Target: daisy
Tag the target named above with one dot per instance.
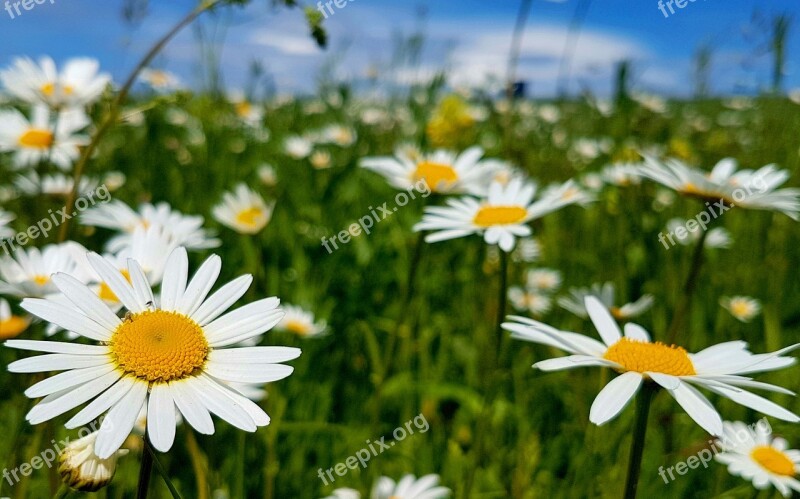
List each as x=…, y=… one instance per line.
x=500, y=218
x=575, y=303
x=716, y=238
x=543, y=279
x=742, y=308
x=621, y=175
x=720, y=369
x=301, y=322
x=11, y=325
x=529, y=300
x=78, y=84
x=298, y=147
x=82, y=469
x=756, y=190
x=320, y=160
x=28, y=273
x=250, y=113
x=33, y=184
x=268, y=175
x=135, y=364
x=243, y=211
x=160, y=80
x=529, y=250
x=186, y=231
x=445, y=172
x=409, y=487
x=35, y=141
x=5, y=219
x=340, y=135
x=755, y=456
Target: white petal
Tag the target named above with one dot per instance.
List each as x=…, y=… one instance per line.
x=200, y=286
x=254, y=355
x=175, y=274
x=119, y=421
x=161, y=417
x=57, y=362
x=57, y=347
x=636, y=332
x=87, y=301
x=614, y=397
x=757, y=403
x=192, y=408
x=66, y=318
x=248, y=373
x=244, y=323
x=605, y=324
x=571, y=362
x=66, y=380
x=48, y=409
x=667, y=381
x=117, y=283
x=141, y=288
x=222, y=300
x=102, y=403
x=698, y=408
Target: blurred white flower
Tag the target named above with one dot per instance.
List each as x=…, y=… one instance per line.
x=35, y=141
x=243, y=210
x=78, y=84
x=743, y=308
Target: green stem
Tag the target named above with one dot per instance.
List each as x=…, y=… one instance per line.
x=145, y=470
x=113, y=112
x=684, y=307
x=161, y=470
x=62, y=492
x=643, y=400
x=238, y=483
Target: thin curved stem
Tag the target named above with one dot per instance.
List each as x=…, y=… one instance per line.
x=145, y=470
x=114, y=110
x=643, y=400
x=684, y=308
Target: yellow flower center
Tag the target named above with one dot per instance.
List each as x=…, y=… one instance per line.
x=436, y=175
x=105, y=292
x=41, y=280
x=740, y=309
x=249, y=216
x=49, y=89
x=36, y=138
x=489, y=216
x=773, y=460
x=159, y=346
x=243, y=109
x=641, y=357
x=12, y=327
x=298, y=327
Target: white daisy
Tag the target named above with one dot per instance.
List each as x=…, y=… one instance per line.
x=5, y=219
x=11, y=325
x=752, y=189
x=268, y=175
x=301, y=322
x=340, y=135
x=298, y=147
x=35, y=141
x=136, y=364
x=250, y=113
x=32, y=184
x=621, y=174
x=28, y=273
x=528, y=250
x=754, y=455
x=445, y=172
x=543, y=279
x=186, y=230
x=160, y=80
x=529, y=300
x=243, y=210
x=82, y=469
x=575, y=303
x=78, y=84
x=409, y=487
x=721, y=369
x=500, y=218
x=743, y=308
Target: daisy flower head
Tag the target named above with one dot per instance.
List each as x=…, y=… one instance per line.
x=529, y=300
x=35, y=140
x=33, y=184
x=755, y=455
x=301, y=322
x=186, y=231
x=501, y=217
x=268, y=175
x=247, y=111
x=751, y=189
x=28, y=272
x=548, y=280
x=5, y=219
x=722, y=369
x=444, y=171
x=529, y=250
x=298, y=147
x=409, y=487
x=743, y=308
x=135, y=364
x=243, y=210
x=340, y=135
x=11, y=325
x=78, y=84
x=81, y=469
x=621, y=175
x=576, y=302
x=160, y=80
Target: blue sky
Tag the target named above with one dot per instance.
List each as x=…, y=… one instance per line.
x=469, y=38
